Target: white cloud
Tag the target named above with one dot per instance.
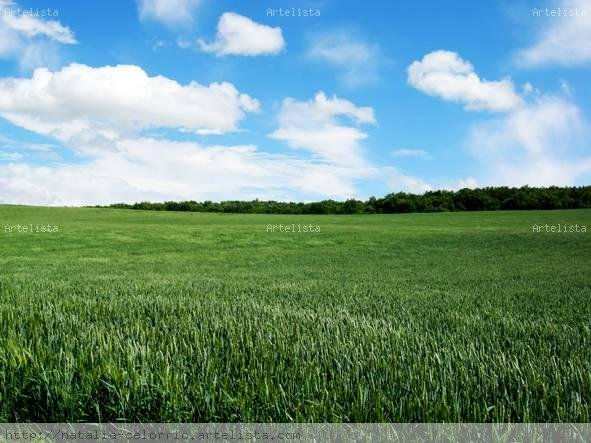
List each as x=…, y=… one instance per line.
x=10, y=41
x=31, y=40
x=42, y=53
x=542, y=143
x=539, y=141
x=400, y=182
x=158, y=44
x=566, y=87
x=87, y=106
x=172, y=13
x=313, y=126
x=564, y=40
x=7, y=142
x=528, y=88
x=418, y=153
x=239, y=35
x=444, y=74
x=103, y=112
x=30, y=26
x=357, y=59
x=469, y=182
x=10, y=156
x=183, y=43
x=158, y=170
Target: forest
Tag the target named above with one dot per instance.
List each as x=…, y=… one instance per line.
x=479, y=199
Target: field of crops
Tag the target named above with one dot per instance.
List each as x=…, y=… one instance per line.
x=161, y=316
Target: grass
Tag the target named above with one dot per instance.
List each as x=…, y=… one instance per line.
x=152, y=316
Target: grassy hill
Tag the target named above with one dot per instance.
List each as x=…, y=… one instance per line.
x=164, y=316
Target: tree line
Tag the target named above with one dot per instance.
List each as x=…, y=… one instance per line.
x=479, y=199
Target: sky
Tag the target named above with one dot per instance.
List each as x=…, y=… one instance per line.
x=123, y=101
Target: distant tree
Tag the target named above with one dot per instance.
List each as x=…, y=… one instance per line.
x=480, y=199
x=353, y=206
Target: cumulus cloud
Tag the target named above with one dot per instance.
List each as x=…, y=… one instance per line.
x=564, y=40
x=540, y=140
x=445, y=74
x=158, y=170
x=399, y=182
x=358, y=60
x=172, y=13
x=83, y=105
x=104, y=113
x=31, y=40
x=542, y=143
x=30, y=26
x=239, y=35
x=313, y=125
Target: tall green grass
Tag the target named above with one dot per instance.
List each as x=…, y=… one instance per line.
x=146, y=316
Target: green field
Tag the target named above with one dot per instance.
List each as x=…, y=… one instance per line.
x=162, y=316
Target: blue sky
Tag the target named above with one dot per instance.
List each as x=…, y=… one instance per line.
x=112, y=101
